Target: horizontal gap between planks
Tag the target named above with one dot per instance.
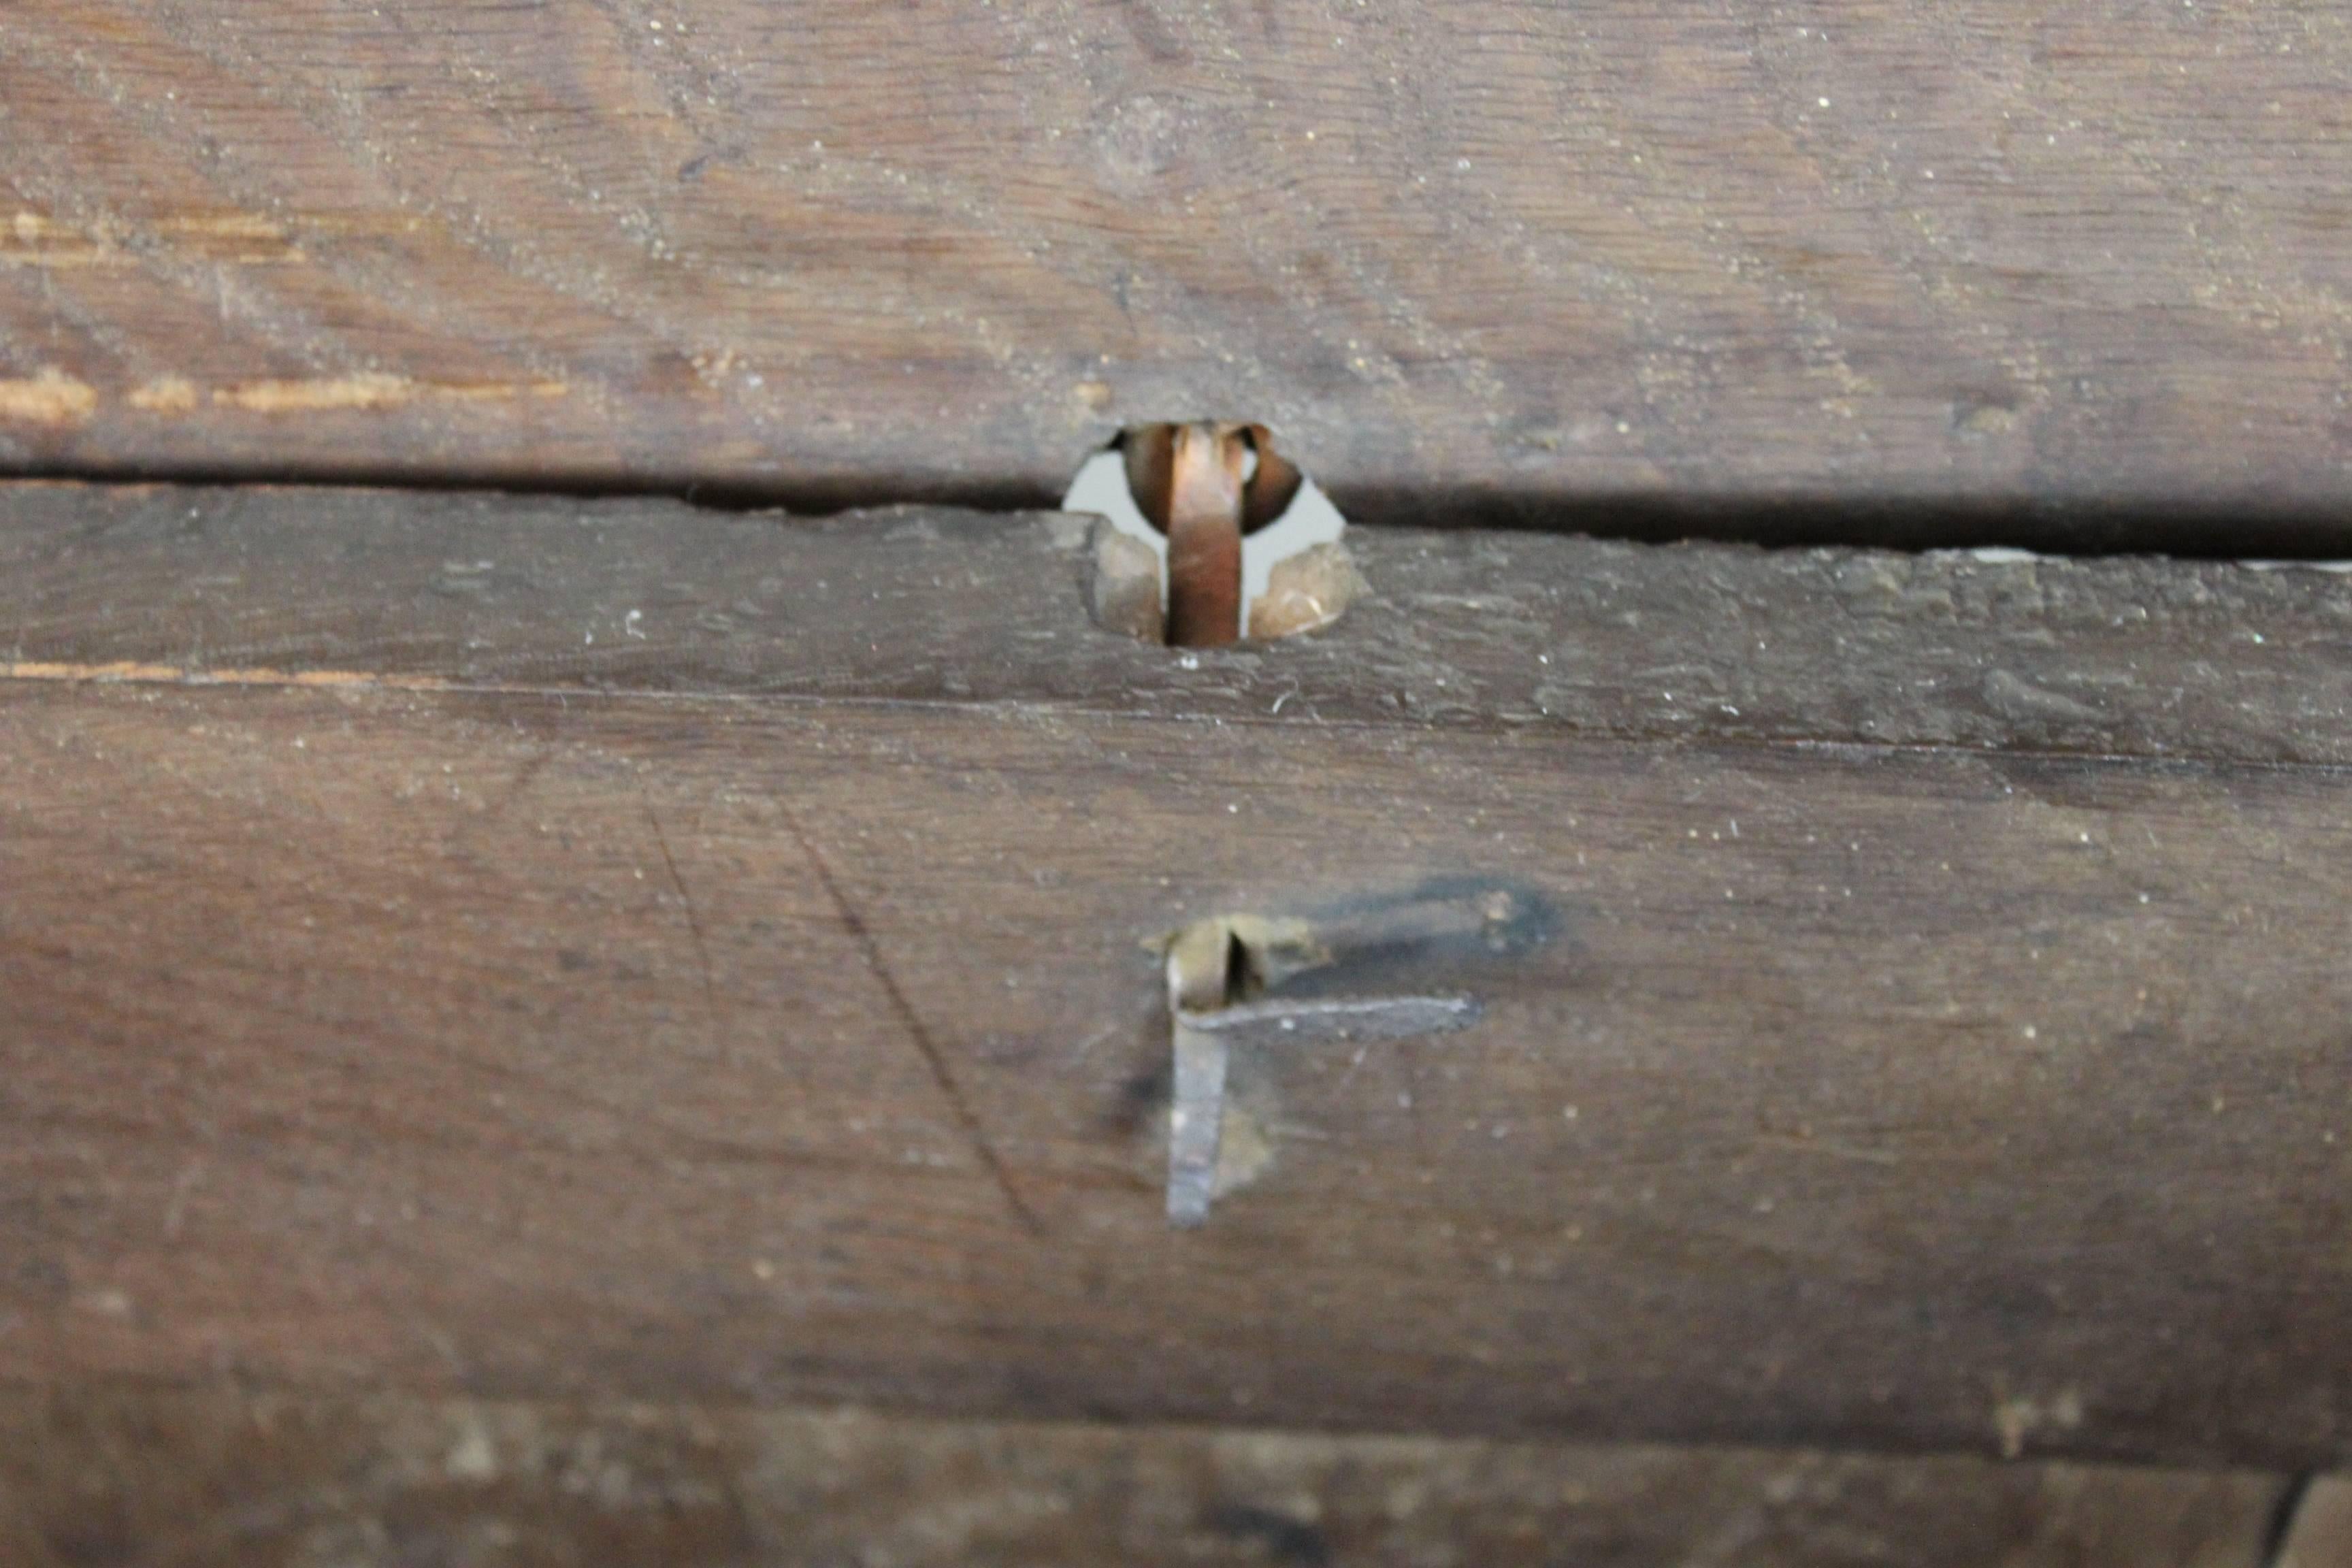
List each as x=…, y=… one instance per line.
x=2250, y=529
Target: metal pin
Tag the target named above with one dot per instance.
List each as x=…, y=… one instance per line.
x=1208, y=971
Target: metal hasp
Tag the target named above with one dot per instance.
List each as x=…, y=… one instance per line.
x=1212, y=969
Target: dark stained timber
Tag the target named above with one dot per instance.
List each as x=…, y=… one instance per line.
x=1937, y=1040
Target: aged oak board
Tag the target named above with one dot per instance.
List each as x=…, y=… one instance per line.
x=541, y=949
x=2022, y=267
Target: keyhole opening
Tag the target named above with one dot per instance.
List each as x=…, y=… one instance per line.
x=1211, y=537
x=1244, y=972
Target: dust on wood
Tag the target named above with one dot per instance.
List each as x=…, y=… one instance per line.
x=2033, y=261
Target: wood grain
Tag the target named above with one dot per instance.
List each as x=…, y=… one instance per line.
x=221, y=1478
x=2120, y=656
x=1915, y=267
x=555, y=1032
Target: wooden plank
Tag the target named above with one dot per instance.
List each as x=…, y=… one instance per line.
x=225, y=1479
x=797, y=1037
x=2030, y=262
x=1998, y=651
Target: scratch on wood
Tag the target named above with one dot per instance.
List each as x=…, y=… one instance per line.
x=916, y=1031
x=175, y=1209
x=134, y=669
x=693, y=920
x=368, y=391
x=520, y=785
x=247, y=240
x=1810, y=1145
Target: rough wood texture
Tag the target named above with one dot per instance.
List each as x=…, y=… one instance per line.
x=220, y=1480
x=2128, y=656
x=795, y=1035
x=2002, y=254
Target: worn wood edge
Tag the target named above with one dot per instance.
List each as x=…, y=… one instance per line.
x=2246, y=662
x=215, y=1474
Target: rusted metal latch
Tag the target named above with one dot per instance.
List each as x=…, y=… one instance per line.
x=1211, y=537
x=1215, y=968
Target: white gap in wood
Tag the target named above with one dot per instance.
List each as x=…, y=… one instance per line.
x=1310, y=519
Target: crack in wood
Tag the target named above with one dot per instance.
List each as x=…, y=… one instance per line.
x=925, y=1046
x=693, y=919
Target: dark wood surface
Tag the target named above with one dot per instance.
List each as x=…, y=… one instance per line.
x=2036, y=270
x=2129, y=656
x=775, y=1020
x=221, y=1478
